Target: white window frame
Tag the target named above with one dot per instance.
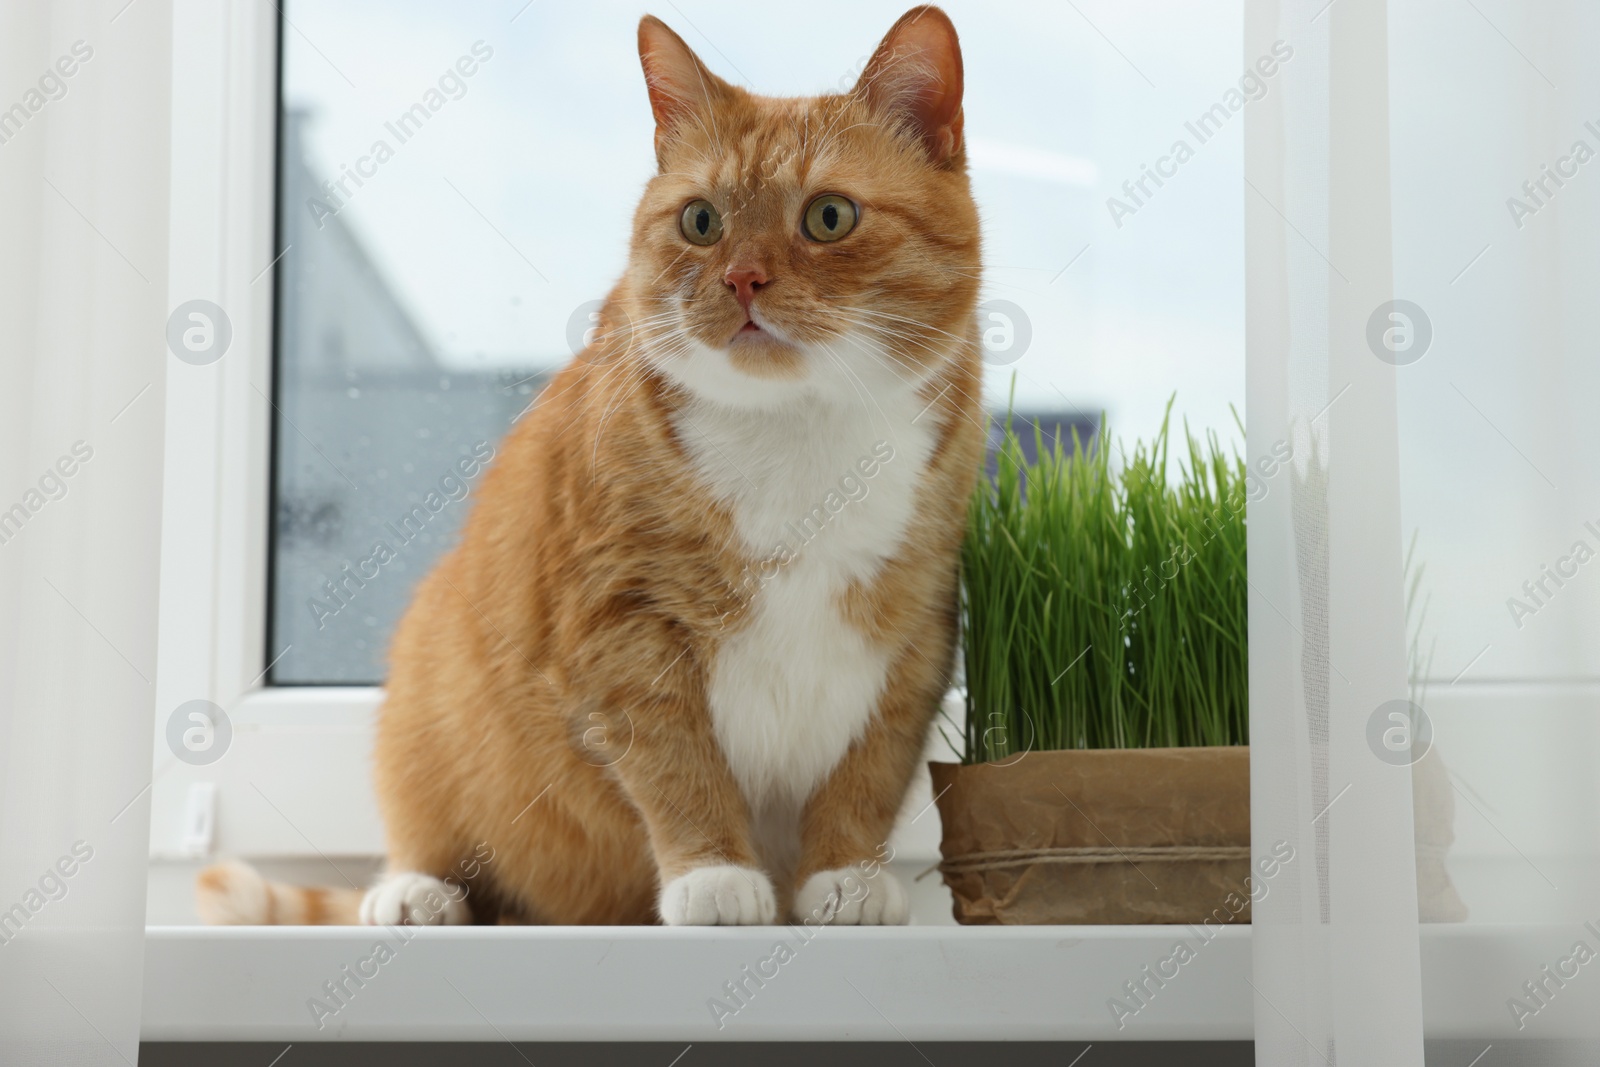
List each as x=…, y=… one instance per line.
x=294, y=780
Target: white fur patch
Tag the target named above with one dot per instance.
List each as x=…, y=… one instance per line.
x=851, y=897
x=721, y=895
x=795, y=683
x=414, y=899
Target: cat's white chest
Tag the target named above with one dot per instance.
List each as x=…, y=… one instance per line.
x=824, y=492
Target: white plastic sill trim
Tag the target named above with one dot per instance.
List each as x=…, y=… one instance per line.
x=914, y=983
x=928, y=983
x=575, y=984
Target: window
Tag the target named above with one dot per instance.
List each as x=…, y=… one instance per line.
x=378, y=340
x=392, y=316
x=456, y=187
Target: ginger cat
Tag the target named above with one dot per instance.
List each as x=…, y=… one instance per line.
x=682, y=664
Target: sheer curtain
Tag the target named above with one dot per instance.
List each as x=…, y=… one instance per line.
x=83, y=272
x=1422, y=260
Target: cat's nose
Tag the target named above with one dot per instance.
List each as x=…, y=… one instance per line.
x=744, y=281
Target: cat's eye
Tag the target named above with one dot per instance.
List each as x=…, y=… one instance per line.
x=829, y=218
x=700, y=223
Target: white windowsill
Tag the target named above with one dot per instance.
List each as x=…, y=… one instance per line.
x=932, y=981
x=294, y=786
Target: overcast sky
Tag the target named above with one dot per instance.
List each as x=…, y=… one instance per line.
x=551, y=143
x=1064, y=103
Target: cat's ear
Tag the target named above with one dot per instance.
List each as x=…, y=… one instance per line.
x=680, y=85
x=915, y=76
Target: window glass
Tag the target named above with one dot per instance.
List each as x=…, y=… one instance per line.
x=457, y=183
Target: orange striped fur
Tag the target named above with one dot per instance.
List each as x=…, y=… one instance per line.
x=683, y=662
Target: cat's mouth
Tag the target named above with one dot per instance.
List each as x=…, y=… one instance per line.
x=762, y=350
x=754, y=331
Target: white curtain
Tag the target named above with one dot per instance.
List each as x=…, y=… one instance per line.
x=83, y=278
x=1421, y=334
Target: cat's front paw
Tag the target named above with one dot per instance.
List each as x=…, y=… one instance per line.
x=413, y=899
x=723, y=895
x=850, y=897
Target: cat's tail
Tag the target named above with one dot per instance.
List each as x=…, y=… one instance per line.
x=235, y=894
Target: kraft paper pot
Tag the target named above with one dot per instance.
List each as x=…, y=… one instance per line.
x=1157, y=835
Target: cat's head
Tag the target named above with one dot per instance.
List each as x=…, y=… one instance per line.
x=806, y=245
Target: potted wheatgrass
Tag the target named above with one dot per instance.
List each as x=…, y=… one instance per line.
x=1104, y=775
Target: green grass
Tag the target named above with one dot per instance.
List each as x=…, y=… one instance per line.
x=1101, y=608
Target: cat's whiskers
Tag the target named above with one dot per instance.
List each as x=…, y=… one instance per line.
x=616, y=376
x=577, y=382
x=939, y=352
x=672, y=343
x=891, y=332
x=891, y=360
x=906, y=319
x=874, y=323
x=969, y=401
x=713, y=135
x=669, y=266
x=636, y=371
x=863, y=392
